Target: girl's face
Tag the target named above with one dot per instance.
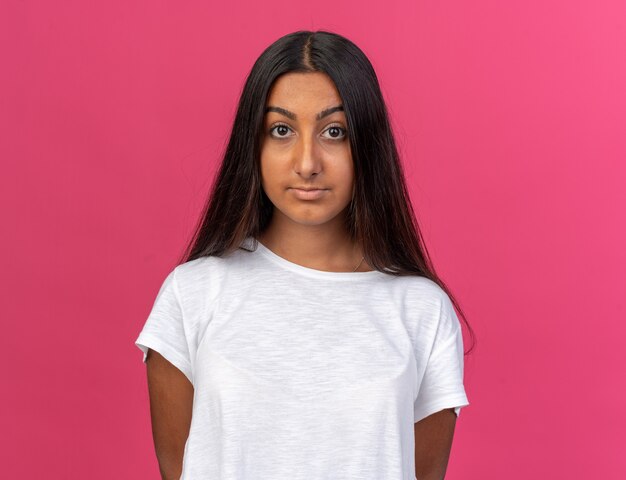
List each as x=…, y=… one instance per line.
x=305, y=145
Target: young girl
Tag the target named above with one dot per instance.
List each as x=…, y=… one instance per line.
x=305, y=333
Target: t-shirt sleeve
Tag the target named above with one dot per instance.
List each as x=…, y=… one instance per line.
x=442, y=384
x=164, y=330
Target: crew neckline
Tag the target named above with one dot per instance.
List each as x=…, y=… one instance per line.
x=312, y=272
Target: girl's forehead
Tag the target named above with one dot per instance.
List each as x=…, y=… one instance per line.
x=304, y=87
x=294, y=115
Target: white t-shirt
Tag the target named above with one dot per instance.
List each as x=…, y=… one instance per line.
x=300, y=373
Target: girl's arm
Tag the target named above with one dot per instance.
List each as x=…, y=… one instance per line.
x=171, y=402
x=433, y=442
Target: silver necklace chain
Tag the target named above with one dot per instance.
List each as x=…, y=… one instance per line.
x=357, y=267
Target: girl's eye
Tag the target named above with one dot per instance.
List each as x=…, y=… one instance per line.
x=336, y=132
x=281, y=128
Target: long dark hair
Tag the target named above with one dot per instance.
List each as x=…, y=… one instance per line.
x=380, y=215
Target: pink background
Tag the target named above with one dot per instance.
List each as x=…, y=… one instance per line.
x=510, y=117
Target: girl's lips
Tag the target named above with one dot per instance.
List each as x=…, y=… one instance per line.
x=308, y=194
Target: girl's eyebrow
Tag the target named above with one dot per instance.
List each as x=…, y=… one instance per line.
x=293, y=116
